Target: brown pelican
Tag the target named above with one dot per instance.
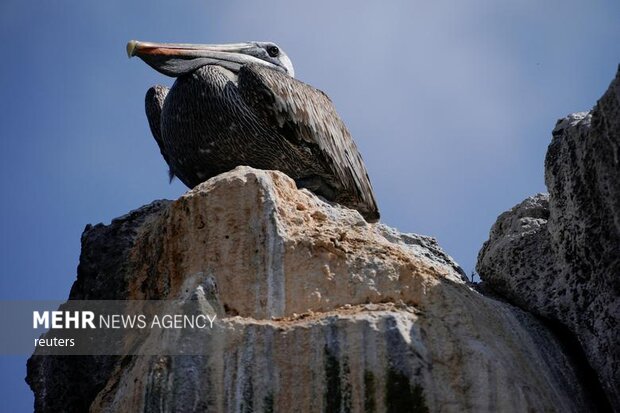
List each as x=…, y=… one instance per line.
x=238, y=104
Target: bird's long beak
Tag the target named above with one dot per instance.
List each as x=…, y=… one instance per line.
x=176, y=59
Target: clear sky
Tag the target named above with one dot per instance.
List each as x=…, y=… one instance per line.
x=451, y=103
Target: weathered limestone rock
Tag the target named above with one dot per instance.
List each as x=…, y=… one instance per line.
x=519, y=245
x=323, y=312
x=559, y=256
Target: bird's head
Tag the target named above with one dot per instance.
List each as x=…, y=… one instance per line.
x=176, y=59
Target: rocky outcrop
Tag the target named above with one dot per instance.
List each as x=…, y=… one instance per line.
x=558, y=256
x=320, y=311
x=517, y=253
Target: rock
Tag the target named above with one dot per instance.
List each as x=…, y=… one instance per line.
x=70, y=383
x=320, y=311
x=517, y=252
x=559, y=256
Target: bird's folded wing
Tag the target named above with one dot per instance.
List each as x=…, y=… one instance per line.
x=305, y=113
x=153, y=105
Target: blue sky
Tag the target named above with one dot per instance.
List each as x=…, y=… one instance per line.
x=451, y=103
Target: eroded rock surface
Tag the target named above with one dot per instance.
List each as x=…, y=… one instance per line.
x=320, y=312
x=558, y=256
x=517, y=253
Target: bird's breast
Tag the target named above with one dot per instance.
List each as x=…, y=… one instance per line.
x=207, y=129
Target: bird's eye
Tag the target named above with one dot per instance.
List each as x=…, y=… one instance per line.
x=273, y=51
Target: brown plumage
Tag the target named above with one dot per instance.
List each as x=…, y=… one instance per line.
x=215, y=118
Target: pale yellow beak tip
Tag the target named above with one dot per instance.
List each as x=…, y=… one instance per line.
x=131, y=48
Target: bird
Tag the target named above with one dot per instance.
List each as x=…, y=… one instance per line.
x=240, y=104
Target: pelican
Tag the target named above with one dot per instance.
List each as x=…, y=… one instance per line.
x=239, y=104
